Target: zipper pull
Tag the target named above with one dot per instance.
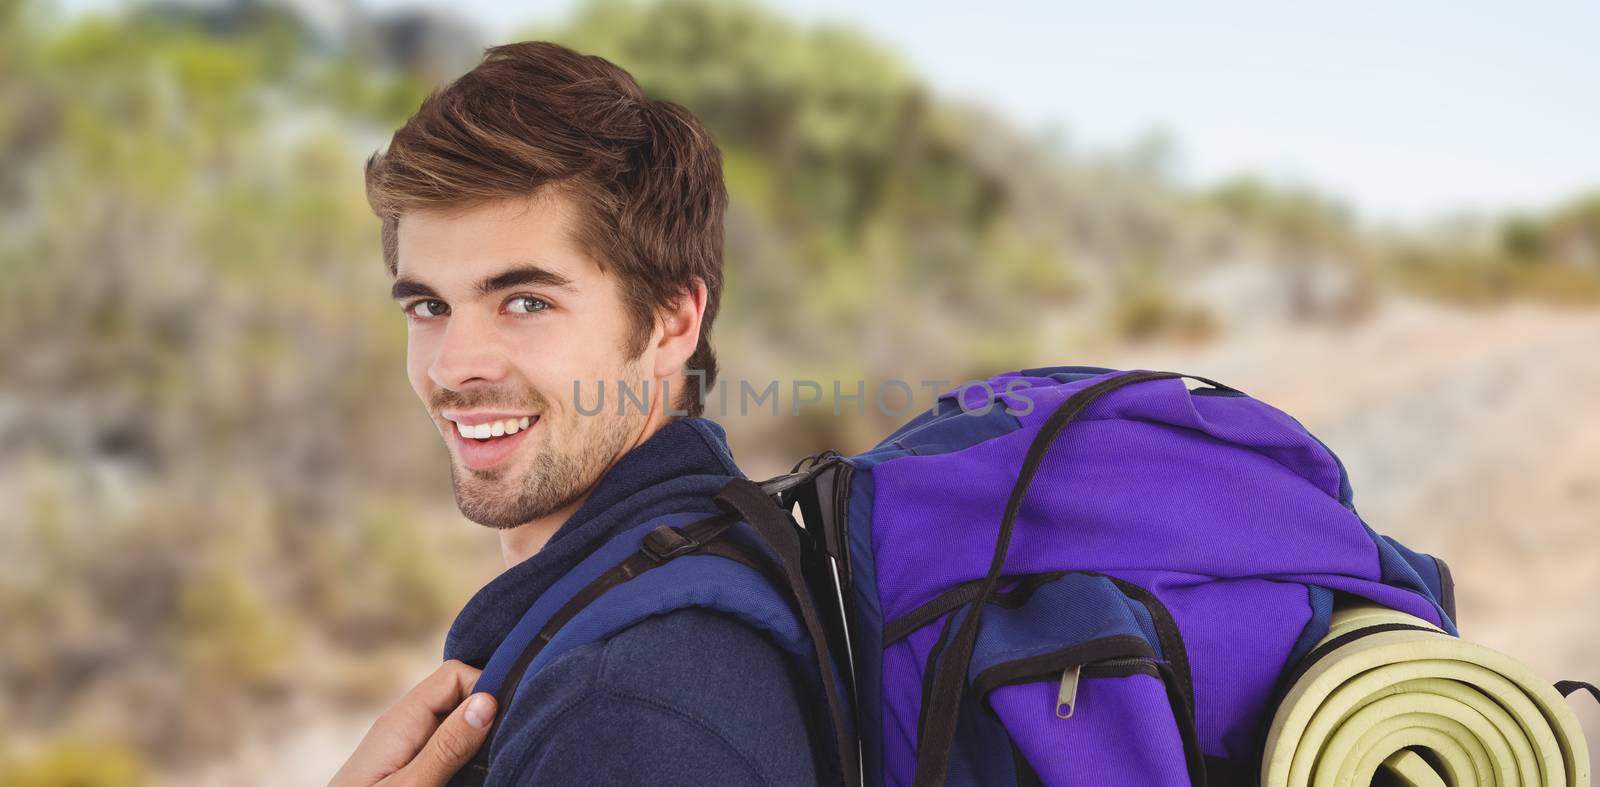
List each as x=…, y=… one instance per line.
x=1068, y=696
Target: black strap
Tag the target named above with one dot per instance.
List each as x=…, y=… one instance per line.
x=1567, y=687
x=747, y=500
x=939, y=716
x=660, y=546
x=1447, y=590
x=1224, y=771
x=961, y=595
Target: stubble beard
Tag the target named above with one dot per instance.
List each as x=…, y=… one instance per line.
x=554, y=479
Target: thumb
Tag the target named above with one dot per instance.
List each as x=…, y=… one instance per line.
x=453, y=744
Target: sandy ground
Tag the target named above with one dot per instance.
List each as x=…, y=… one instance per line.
x=1471, y=435
x=315, y=737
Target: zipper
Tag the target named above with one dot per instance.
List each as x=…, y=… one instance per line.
x=1167, y=633
x=1121, y=654
x=1070, y=679
x=1067, y=694
x=1172, y=666
x=1072, y=675
x=1112, y=657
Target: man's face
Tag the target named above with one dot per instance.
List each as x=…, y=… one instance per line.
x=504, y=313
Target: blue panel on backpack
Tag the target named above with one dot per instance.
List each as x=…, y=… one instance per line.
x=602, y=559
x=705, y=581
x=867, y=627
x=1321, y=601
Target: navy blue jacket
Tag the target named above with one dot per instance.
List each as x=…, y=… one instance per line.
x=690, y=697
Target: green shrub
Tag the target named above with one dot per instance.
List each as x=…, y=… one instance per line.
x=70, y=762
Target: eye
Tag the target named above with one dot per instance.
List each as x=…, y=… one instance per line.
x=526, y=304
x=425, y=309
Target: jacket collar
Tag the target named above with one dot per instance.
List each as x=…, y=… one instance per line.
x=677, y=469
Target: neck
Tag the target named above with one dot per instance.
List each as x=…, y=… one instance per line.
x=525, y=540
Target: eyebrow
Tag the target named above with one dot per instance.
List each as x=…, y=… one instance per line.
x=516, y=276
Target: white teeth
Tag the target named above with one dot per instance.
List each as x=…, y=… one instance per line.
x=494, y=429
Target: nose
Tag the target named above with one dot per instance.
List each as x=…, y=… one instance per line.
x=468, y=352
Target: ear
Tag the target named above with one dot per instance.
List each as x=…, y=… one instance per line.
x=679, y=331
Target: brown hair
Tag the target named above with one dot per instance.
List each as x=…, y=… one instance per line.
x=535, y=115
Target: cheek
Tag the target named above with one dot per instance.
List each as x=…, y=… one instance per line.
x=418, y=357
x=560, y=370
x=552, y=377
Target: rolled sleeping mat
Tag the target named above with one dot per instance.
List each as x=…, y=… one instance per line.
x=1387, y=698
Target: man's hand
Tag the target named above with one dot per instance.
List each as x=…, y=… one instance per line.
x=408, y=746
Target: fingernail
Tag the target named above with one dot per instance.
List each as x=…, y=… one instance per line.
x=480, y=710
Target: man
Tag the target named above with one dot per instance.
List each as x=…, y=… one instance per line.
x=551, y=230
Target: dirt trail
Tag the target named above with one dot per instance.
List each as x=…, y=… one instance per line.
x=312, y=741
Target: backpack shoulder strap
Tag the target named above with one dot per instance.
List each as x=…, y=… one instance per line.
x=700, y=564
x=750, y=502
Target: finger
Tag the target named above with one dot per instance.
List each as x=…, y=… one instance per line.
x=452, y=745
x=416, y=715
x=443, y=690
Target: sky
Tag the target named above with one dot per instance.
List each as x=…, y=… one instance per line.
x=1405, y=110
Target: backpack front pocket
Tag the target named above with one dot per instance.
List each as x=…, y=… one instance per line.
x=1084, y=686
x=1107, y=722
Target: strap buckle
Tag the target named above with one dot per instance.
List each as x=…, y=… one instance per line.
x=667, y=542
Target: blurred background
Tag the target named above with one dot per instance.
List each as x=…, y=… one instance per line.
x=227, y=537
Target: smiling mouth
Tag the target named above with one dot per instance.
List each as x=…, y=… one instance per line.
x=487, y=432
x=500, y=441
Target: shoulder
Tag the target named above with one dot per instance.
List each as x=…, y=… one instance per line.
x=692, y=691
x=696, y=649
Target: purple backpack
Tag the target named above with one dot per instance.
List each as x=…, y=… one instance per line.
x=1079, y=576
